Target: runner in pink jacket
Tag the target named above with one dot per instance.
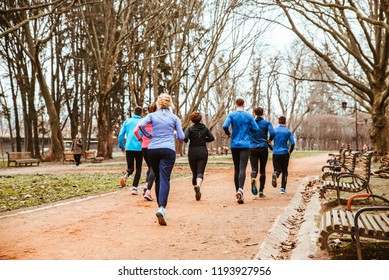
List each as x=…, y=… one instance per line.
x=150, y=177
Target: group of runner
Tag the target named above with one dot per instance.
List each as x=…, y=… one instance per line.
x=153, y=139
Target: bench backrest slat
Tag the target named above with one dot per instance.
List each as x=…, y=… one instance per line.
x=90, y=154
x=19, y=155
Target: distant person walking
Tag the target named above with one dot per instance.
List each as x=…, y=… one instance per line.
x=162, y=152
x=133, y=149
x=283, y=146
x=150, y=177
x=197, y=136
x=77, y=148
x=241, y=124
x=259, y=151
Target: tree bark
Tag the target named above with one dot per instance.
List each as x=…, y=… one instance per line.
x=379, y=132
x=56, y=134
x=102, y=124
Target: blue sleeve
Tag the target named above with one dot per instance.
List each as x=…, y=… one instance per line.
x=121, y=136
x=254, y=126
x=271, y=131
x=180, y=133
x=292, y=143
x=226, y=124
x=291, y=139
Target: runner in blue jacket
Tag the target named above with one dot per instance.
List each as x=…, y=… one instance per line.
x=283, y=146
x=259, y=151
x=129, y=144
x=241, y=124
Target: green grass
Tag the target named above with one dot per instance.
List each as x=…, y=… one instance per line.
x=302, y=154
x=19, y=191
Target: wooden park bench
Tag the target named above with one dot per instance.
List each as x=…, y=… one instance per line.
x=347, y=164
x=351, y=182
x=336, y=160
x=368, y=222
x=22, y=158
x=92, y=156
x=68, y=157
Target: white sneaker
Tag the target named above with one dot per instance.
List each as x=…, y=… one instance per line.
x=134, y=190
x=161, y=216
x=239, y=196
x=147, y=195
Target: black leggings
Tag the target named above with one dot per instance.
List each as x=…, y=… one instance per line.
x=136, y=156
x=260, y=155
x=240, y=157
x=280, y=164
x=198, y=158
x=150, y=177
x=77, y=159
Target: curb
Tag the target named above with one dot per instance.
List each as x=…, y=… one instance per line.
x=305, y=247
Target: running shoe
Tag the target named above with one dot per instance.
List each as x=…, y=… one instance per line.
x=123, y=180
x=274, y=180
x=147, y=195
x=282, y=191
x=254, y=189
x=239, y=196
x=261, y=194
x=134, y=190
x=198, y=193
x=144, y=190
x=161, y=216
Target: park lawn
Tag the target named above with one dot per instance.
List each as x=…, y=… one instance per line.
x=20, y=191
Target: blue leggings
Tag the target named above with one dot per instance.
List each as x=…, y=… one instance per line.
x=162, y=162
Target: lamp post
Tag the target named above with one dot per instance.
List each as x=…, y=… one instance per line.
x=344, y=107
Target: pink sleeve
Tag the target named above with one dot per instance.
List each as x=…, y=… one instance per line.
x=136, y=132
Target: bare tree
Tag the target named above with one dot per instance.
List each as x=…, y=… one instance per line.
x=33, y=27
x=78, y=52
x=352, y=37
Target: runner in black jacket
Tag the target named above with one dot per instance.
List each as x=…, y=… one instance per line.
x=198, y=135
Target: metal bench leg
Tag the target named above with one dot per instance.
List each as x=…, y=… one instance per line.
x=338, y=195
x=358, y=244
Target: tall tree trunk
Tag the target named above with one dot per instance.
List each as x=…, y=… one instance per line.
x=56, y=134
x=16, y=114
x=102, y=124
x=379, y=132
x=33, y=117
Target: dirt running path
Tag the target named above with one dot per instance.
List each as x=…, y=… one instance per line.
x=119, y=225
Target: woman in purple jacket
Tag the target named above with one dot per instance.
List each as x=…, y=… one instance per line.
x=162, y=153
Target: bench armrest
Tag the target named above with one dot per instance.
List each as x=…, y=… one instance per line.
x=343, y=176
x=364, y=195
